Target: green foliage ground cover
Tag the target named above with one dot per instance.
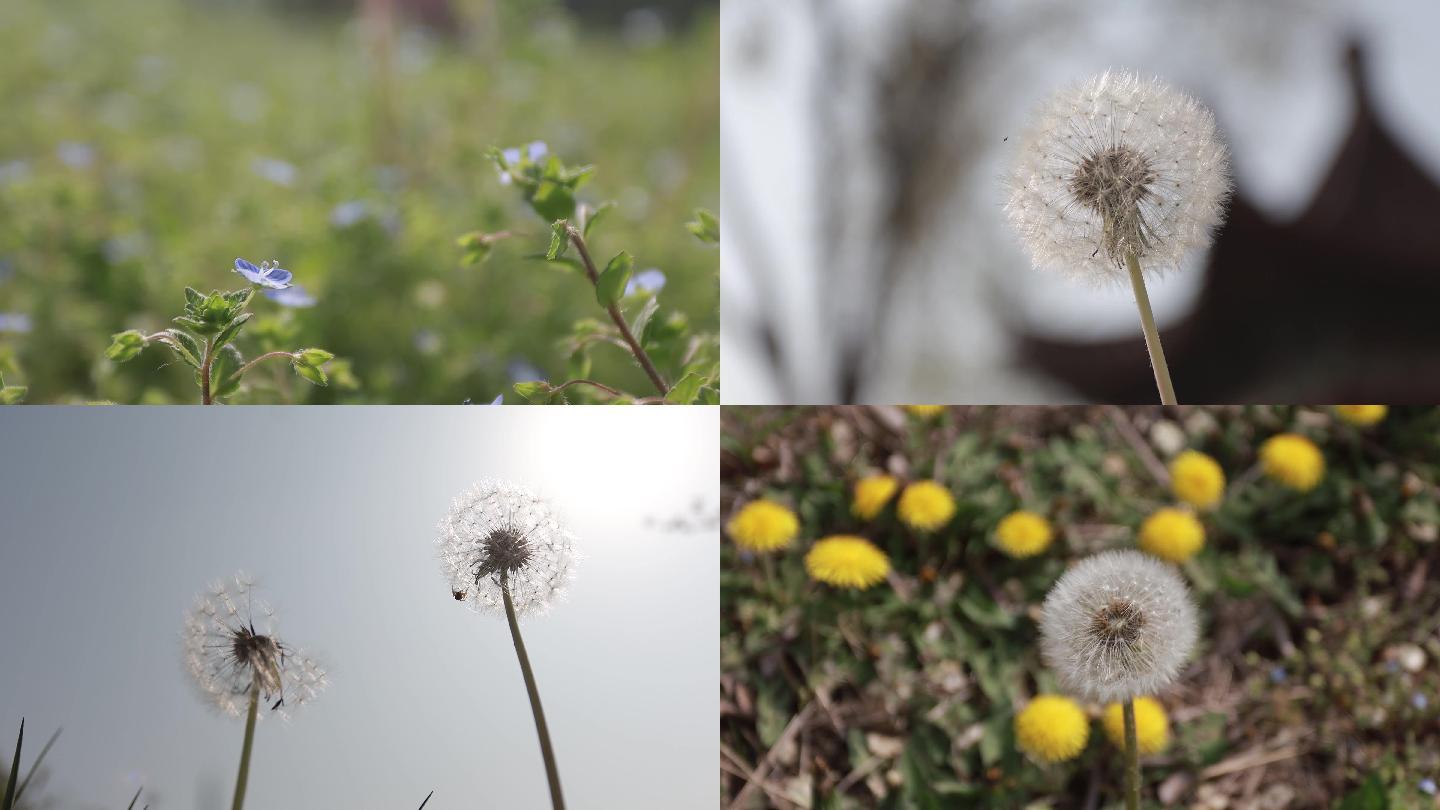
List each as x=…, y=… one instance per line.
x=1315, y=681
x=148, y=143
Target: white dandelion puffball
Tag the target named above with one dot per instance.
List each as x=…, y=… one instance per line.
x=500, y=531
x=231, y=647
x=1117, y=165
x=1118, y=625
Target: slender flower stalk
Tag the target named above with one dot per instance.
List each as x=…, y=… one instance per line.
x=1118, y=176
x=592, y=273
x=243, y=777
x=1132, y=759
x=503, y=549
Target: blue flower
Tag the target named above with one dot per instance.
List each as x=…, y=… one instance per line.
x=499, y=400
x=1427, y=786
x=652, y=280
x=537, y=150
x=13, y=171
x=268, y=274
x=292, y=296
x=522, y=370
x=348, y=213
x=1419, y=701
x=17, y=322
x=1277, y=674
x=276, y=171
x=75, y=155
x=511, y=155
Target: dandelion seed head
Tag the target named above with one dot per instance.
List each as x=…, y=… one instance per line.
x=1116, y=165
x=231, y=647
x=1118, y=625
x=501, y=531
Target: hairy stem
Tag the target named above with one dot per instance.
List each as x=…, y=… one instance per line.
x=615, y=315
x=1132, y=759
x=243, y=777
x=602, y=386
x=1152, y=335
x=552, y=773
x=205, y=398
x=267, y=356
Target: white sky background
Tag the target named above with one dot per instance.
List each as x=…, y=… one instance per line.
x=110, y=528
x=1274, y=79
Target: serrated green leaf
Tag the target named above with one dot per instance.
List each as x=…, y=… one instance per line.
x=685, y=391
x=125, y=345
x=595, y=216
x=559, y=231
x=705, y=227
x=193, y=297
x=224, y=380
x=231, y=331
x=185, y=346
x=239, y=298
x=612, y=281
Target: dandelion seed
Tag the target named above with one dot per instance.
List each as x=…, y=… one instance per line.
x=1118, y=625
x=500, y=531
x=1051, y=729
x=1113, y=166
x=231, y=649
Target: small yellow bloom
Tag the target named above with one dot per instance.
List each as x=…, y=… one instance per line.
x=1052, y=729
x=1152, y=726
x=1196, y=479
x=847, y=561
x=1023, y=534
x=1362, y=415
x=925, y=411
x=871, y=494
x=763, y=526
x=926, y=506
x=1172, y=534
x=1293, y=460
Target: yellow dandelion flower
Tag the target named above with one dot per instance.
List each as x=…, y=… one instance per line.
x=1362, y=415
x=763, y=526
x=1293, y=460
x=1023, y=534
x=1152, y=726
x=846, y=561
x=925, y=411
x=1052, y=729
x=1196, y=479
x=926, y=506
x=871, y=494
x=1172, y=534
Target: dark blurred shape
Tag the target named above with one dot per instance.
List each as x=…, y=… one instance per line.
x=436, y=14
x=1338, y=306
x=615, y=12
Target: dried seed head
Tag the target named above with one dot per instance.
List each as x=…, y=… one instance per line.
x=496, y=531
x=1118, y=625
x=1113, y=166
x=231, y=648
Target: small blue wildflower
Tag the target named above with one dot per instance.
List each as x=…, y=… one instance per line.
x=1419, y=701
x=1277, y=674
x=268, y=274
x=511, y=155
x=17, y=322
x=536, y=150
x=499, y=400
x=74, y=154
x=651, y=280
x=348, y=213
x=276, y=171
x=521, y=370
x=293, y=296
x=1427, y=786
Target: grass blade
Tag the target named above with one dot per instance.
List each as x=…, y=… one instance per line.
x=35, y=766
x=9, y=802
x=427, y=800
x=136, y=799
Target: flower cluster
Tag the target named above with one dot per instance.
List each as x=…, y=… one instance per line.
x=1054, y=728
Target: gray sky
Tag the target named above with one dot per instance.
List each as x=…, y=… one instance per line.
x=112, y=519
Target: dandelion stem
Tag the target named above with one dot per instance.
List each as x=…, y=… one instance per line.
x=615, y=315
x=552, y=773
x=244, y=776
x=1152, y=335
x=1132, y=759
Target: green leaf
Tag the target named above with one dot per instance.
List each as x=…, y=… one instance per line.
x=224, y=381
x=239, y=299
x=314, y=357
x=231, y=331
x=642, y=321
x=1369, y=796
x=612, y=281
x=706, y=227
x=685, y=391
x=559, y=231
x=595, y=216
x=193, y=297
x=12, y=394
x=125, y=345
x=534, y=391
x=185, y=346
x=313, y=374
x=553, y=201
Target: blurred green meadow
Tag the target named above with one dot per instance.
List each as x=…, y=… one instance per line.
x=148, y=143
x=1315, y=682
